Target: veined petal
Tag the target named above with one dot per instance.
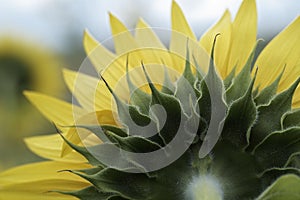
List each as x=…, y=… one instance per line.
x=124, y=44
x=243, y=37
x=282, y=51
x=296, y=102
x=57, y=111
x=155, y=52
x=98, y=54
x=48, y=170
x=123, y=39
x=179, y=23
x=84, y=88
x=50, y=147
x=224, y=27
x=38, y=190
x=181, y=33
x=145, y=37
x=128, y=47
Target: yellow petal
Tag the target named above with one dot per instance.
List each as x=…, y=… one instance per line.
x=181, y=33
x=128, y=47
x=125, y=44
x=179, y=23
x=41, y=171
x=296, y=104
x=243, y=38
x=123, y=39
x=84, y=88
x=145, y=37
x=283, y=50
x=50, y=147
x=98, y=54
x=154, y=51
x=223, y=26
x=57, y=111
x=38, y=190
x=296, y=98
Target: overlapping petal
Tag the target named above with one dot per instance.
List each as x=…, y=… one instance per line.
x=83, y=86
x=96, y=52
x=181, y=33
x=50, y=147
x=282, y=52
x=57, y=111
x=243, y=37
x=35, y=181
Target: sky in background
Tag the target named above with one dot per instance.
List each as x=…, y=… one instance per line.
x=56, y=22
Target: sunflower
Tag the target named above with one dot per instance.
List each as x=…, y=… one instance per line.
x=200, y=120
x=24, y=65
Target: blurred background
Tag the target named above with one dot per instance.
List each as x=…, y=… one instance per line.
x=40, y=37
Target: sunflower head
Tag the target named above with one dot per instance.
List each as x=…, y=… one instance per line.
x=198, y=120
x=198, y=137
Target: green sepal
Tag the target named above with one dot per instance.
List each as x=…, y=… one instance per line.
x=127, y=185
x=138, y=97
x=276, y=149
x=284, y=188
x=90, y=193
x=185, y=86
x=199, y=72
x=185, y=91
x=133, y=143
x=173, y=112
x=240, y=119
x=193, y=122
x=204, y=102
x=116, y=130
x=265, y=96
x=218, y=106
x=273, y=181
x=241, y=82
x=91, y=171
x=131, y=117
x=212, y=88
x=269, y=118
x=228, y=81
x=168, y=86
x=110, y=155
x=117, y=198
x=291, y=119
x=294, y=161
x=187, y=73
x=84, y=152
